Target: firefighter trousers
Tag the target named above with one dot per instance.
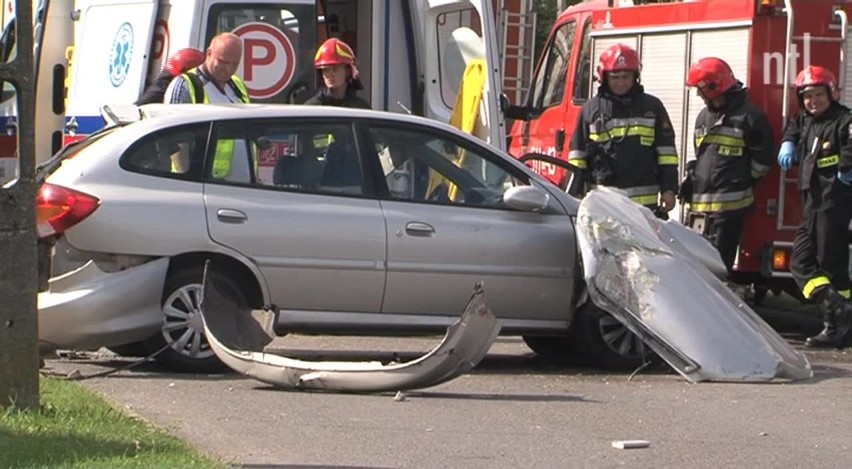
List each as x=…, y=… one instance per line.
x=724, y=231
x=821, y=249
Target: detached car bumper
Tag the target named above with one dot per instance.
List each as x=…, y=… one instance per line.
x=88, y=308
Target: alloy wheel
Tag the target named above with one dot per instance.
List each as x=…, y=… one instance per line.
x=183, y=326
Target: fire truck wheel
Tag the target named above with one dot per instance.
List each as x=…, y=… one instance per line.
x=183, y=329
x=607, y=343
x=759, y=294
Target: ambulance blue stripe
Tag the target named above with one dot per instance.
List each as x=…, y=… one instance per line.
x=87, y=124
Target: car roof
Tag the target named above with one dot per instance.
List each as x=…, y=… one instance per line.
x=171, y=114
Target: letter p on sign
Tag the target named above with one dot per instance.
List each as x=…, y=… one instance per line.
x=269, y=59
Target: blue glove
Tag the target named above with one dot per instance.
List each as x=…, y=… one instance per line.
x=787, y=155
x=845, y=177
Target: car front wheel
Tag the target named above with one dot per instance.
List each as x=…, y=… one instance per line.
x=604, y=341
x=183, y=329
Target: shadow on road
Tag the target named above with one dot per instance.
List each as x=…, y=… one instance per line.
x=509, y=356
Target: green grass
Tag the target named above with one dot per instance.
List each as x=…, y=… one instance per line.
x=75, y=428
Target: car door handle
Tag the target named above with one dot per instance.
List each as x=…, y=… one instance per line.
x=416, y=228
x=229, y=215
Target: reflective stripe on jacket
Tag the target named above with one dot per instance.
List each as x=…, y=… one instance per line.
x=224, y=148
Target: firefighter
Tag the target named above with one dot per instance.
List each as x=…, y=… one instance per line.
x=734, y=149
x=817, y=138
x=335, y=62
x=338, y=72
x=180, y=62
x=624, y=137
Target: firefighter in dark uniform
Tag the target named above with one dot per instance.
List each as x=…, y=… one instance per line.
x=335, y=62
x=818, y=140
x=624, y=138
x=734, y=148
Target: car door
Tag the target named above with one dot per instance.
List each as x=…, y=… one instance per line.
x=448, y=229
x=308, y=224
x=451, y=34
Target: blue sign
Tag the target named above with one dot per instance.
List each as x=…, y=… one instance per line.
x=120, y=55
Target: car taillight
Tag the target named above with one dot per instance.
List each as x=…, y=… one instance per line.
x=59, y=208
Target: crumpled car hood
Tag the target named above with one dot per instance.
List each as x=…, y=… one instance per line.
x=661, y=280
x=238, y=337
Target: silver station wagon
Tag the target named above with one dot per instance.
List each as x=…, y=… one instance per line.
x=348, y=221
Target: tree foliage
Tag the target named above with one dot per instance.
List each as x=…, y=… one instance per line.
x=546, y=14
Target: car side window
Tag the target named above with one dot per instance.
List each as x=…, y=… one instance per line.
x=432, y=167
x=549, y=84
x=297, y=156
x=175, y=152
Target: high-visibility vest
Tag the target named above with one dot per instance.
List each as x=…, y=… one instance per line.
x=224, y=148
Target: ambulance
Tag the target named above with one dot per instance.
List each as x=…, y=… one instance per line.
x=90, y=53
x=766, y=42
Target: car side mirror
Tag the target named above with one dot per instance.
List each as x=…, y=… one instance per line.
x=526, y=198
x=511, y=111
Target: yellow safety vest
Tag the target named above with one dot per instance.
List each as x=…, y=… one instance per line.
x=224, y=148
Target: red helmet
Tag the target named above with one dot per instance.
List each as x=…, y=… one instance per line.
x=816, y=76
x=711, y=75
x=618, y=57
x=335, y=52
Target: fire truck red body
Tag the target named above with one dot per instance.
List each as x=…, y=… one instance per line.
x=753, y=36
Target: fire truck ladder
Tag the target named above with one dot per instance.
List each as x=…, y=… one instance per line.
x=785, y=100
x=517, y=54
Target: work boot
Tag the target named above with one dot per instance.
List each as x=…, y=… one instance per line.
x=837, y=319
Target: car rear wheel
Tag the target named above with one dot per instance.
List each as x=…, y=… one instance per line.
x=606, y=342
x=183, y=328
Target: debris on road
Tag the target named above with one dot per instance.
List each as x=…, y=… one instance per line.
x=630, y=444
x=238, y=336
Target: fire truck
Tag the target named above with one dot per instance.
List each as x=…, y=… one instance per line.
x=766, y=42
x=411, y=55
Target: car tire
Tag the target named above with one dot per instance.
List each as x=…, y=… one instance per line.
x=133, y=349
x=183, y=329
x=607, y=343
x=550, y=347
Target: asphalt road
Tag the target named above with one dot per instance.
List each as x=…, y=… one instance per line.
x=512, y=411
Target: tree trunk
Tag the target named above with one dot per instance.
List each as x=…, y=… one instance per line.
x=18, y=257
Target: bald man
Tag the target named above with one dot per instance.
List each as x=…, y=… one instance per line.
x=214, y=80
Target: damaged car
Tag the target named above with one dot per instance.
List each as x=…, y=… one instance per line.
x=348, y=221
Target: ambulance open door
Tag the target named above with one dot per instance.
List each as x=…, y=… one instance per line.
x=455, y=33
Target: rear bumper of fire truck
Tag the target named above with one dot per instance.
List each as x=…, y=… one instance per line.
x=776, y=260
